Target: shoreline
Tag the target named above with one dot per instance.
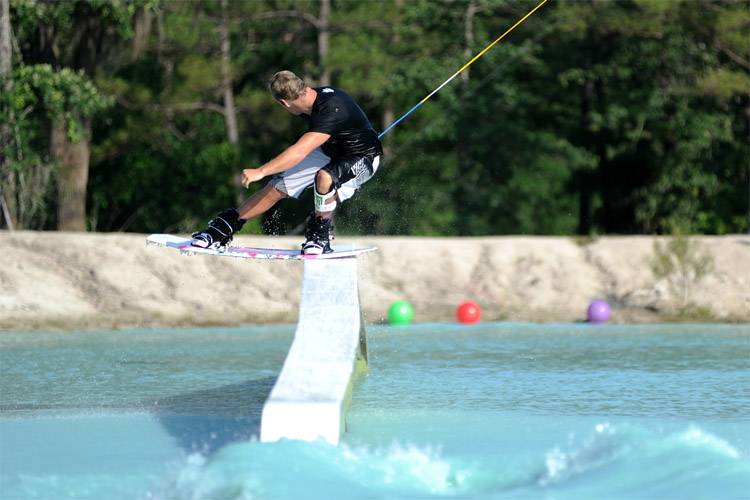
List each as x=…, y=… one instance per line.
x=52, y=281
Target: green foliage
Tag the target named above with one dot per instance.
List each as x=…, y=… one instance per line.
x=588, y=118
x=62, y=95
x=174, y=181
x=49, y=85
x=28, y=15
x=38, y=97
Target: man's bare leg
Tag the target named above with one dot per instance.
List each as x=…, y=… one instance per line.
x=220, y=230
x=319, y=225
x=260, y=202
x=324, y=183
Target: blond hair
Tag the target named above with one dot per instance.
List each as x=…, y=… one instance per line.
x=286, y=85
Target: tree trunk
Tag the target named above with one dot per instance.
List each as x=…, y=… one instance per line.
x=462, y=147
x=389, y=116
x=323, y=28
x=72, y=159
x=230, y=112
x=7, y=179
x=584, y=179
x=5, y=50
x=471, y=10
x=72, y=176
x=142, y=21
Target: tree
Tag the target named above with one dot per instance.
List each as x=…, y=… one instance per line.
x=635, y=76
x=61, y=45
x=590, y=117
x=6, y=134
x=179, y=82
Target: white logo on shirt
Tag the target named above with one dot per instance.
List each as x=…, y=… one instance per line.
x=327, y=90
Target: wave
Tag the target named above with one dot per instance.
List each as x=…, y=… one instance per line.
x=634, y=462
x=623, y=461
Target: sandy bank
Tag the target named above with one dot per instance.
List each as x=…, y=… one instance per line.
x=82, y=281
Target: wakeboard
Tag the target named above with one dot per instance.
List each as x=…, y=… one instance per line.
x=184, y=246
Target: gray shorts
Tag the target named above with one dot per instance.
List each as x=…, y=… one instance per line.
x=297, y=179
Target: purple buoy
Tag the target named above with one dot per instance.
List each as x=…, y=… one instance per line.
x=599, y=312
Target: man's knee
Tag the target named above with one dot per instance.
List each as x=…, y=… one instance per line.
x=323, y=181
x=325, y=195
x=273, y=192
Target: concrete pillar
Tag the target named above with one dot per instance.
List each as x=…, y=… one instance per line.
x=313, y=392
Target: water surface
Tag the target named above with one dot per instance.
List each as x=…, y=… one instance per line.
x=500, y=410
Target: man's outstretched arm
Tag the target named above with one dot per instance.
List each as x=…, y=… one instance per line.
x=290, y=157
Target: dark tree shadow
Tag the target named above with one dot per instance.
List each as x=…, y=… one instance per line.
x=204, y=421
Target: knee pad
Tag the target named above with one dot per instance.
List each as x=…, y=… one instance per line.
x=320, y=201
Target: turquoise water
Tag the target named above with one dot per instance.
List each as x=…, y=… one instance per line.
x=497, y=410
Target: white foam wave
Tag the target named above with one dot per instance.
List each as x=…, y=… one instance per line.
x=696, y=437
x=420, y=468
x=247, y=470
x=632, y=459
x=632, y=446
x=602, y=446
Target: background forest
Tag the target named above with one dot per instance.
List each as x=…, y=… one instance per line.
x=591, y=117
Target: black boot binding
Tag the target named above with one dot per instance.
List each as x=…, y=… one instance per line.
x=220, y=230
x=318, y=236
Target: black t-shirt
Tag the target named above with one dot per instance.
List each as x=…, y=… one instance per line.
x=336, y=114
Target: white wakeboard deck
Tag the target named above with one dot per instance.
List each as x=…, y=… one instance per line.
x=183, y=245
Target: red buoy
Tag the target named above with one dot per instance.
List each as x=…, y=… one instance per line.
x=469, y=312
